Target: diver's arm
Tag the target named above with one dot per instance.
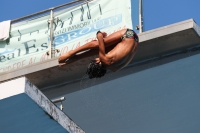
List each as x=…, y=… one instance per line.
x=102, y=53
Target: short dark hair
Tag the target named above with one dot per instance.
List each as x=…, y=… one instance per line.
x=95, y=70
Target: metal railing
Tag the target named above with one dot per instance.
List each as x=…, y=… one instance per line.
x=51, y=11
x=48, y=10
x=51, y=52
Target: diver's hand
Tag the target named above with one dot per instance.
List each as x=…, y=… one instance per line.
x=104, y=34
x=98, y=60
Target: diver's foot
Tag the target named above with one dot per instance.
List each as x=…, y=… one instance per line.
x=63, y=58
x=61, y=64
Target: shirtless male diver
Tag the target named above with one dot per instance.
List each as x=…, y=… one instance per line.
x=125, y=44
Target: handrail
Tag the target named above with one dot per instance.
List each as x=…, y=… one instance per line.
x=47, y=10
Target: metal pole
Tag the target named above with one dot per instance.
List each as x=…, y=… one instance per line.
x=140, y=17
x=51, y=34
x=58, y=100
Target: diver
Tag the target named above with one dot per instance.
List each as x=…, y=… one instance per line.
x=124, y=42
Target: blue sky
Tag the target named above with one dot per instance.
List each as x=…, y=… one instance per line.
x=157, y=13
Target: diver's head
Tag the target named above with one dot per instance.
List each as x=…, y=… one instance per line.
x=95, y=70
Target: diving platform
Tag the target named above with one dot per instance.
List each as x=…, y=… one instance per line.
x=156, y=43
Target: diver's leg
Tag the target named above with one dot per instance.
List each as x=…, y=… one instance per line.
x=112, y=39
x=91, y=45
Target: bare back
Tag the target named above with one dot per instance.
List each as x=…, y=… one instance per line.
x=122, y=54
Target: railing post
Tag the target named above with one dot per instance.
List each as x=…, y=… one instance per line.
x=140, y=16
x=51, y=35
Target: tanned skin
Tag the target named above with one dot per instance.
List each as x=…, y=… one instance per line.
x=116, y=58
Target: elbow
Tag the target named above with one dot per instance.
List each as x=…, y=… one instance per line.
x=105, y=61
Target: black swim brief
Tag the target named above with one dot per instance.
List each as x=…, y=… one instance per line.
x=130, y=34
